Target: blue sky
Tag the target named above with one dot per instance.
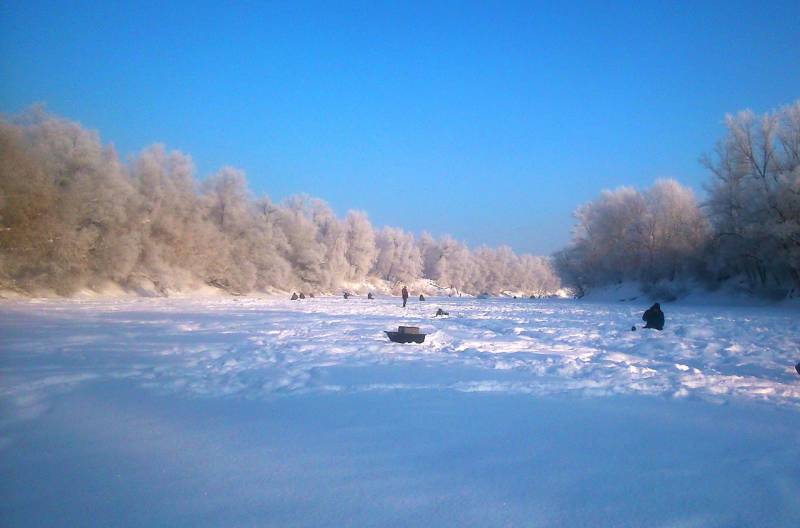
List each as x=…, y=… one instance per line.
x=489, y=121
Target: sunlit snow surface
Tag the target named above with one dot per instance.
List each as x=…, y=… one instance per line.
x=247, y=412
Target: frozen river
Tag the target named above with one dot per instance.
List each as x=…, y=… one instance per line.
x=247, y=412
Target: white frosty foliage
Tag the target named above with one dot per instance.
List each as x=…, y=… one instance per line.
x=754, y=197
x=626, y=234
x=749, y=225
x=72, y=216
x=361, y=250
x=398, y=259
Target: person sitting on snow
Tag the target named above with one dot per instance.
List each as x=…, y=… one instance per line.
x=441, y=312
x=294, y=296
x=654, y=317
x=421, y=297
x=370, y=296
x=302, y=295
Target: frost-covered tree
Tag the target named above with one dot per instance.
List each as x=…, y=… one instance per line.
x=361, y=251
x=430, y=253
x=625, y=234
x=306, y=253
x=273, y=270
x=332, y=235
x=83, y=229
x=496, y=266
x=29, y=224
x=175, y=233
x=754, y=198
x=72, y=215
x=398, y=258
x=676, y=232
x=454, y=264
x=537, y=276
x=608, y=238
x=749, y=225
x=229, y=208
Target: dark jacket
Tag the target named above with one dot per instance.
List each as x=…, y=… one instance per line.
x=405, y=293
x=654, y=317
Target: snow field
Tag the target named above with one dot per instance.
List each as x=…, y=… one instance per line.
x=254, y=412
x=257, y=348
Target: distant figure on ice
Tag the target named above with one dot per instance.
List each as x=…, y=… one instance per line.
x=404, y=293
x=441, y=312
x=654, y=317
x=302, y=295
x=370, y=296
x=421, y=297
x=294, y=296
x=346, y=295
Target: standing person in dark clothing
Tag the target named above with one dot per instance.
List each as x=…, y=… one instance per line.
x=405, y=296
x=654, y=317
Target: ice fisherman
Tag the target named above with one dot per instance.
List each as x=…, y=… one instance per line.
x=404, y=293
x=421, y=297
x=294, y=296
x=654, y=317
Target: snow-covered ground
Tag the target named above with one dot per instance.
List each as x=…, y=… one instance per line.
x=253, y=412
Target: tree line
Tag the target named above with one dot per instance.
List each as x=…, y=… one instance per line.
x=74, y=216
x=747, y=229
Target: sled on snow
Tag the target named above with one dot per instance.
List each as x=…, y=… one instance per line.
x=406, y=334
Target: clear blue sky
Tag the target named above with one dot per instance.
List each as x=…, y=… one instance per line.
x=489, y=121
